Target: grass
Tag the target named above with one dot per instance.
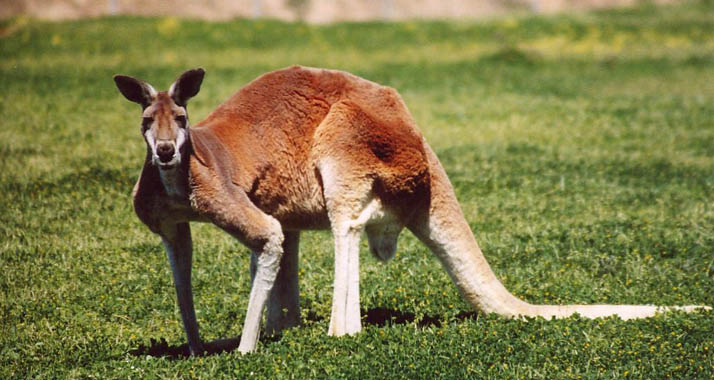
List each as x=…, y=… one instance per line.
x=580, y=146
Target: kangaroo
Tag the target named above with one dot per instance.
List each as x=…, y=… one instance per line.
x=302, y=149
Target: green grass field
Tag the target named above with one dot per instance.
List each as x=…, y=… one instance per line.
x=581, y=148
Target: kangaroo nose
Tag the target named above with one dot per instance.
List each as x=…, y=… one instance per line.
x=165, y=151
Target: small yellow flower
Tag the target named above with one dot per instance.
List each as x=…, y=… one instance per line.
x=510, y=23
x=168, y=26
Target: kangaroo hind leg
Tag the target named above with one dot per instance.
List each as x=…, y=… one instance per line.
x=350, y=205
x=345, y=318
x=363, y=160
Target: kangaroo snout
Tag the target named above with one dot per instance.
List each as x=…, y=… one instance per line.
x=165, y=150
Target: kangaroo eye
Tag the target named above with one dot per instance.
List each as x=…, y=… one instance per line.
x=146, y=123
x=181, y=120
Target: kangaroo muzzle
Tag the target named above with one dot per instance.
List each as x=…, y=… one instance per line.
x=166, y=151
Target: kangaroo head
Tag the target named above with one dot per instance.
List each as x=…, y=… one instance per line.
x=164, y=118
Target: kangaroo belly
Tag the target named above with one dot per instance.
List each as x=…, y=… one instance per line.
x=293, y=197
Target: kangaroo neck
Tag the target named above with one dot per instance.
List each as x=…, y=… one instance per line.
x=175, y=181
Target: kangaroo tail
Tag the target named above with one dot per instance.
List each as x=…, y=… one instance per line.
x=442, y=227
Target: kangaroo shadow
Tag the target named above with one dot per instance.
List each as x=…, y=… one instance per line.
x=160, y=348
x=378, y=316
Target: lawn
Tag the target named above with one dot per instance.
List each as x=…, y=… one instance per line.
x=581, y=148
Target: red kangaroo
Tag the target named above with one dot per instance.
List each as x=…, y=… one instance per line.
x=302, y=149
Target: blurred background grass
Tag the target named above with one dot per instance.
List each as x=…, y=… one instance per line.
x=580, y=146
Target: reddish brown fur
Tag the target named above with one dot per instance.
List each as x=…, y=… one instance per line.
x=268, y=137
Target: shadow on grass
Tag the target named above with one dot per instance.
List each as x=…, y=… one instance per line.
x=160, y=348
x=380, y=316
x=377, y=316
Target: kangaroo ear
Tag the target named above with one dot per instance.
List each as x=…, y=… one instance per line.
x=186, y=86
x=135, y=90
